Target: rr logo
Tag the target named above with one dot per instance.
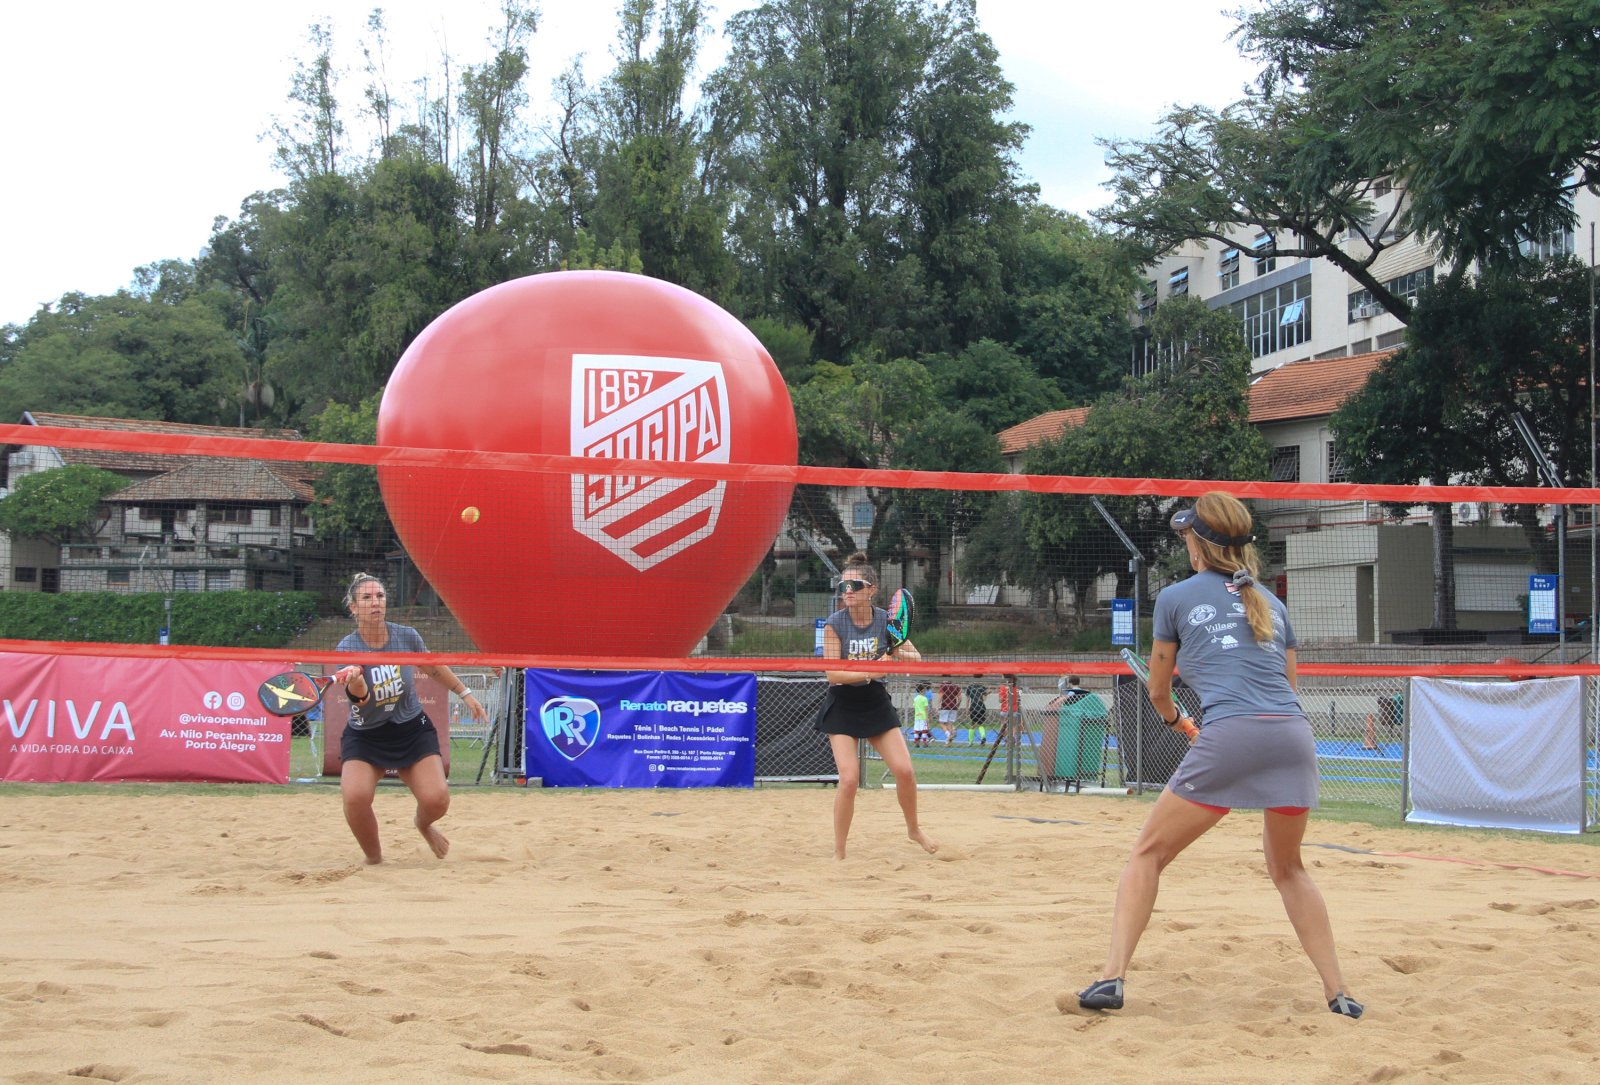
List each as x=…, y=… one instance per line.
x=571, y=725
x=647, y=409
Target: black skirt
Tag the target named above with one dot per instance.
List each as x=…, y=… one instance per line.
x=857, y=711
x=391, y=745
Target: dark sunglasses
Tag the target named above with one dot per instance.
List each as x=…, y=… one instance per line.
x=854, y=585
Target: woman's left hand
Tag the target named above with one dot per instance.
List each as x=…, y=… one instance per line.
x=475, y=707
x=907, y=652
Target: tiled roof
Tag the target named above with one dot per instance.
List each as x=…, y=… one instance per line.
x=187, y=479
x=1307, y=389
x=145, y=425
x=220, y=480
x=1312, y=388
x=1040, y=428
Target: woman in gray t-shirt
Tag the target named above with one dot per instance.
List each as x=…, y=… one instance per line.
x=1233, y=642
x=388, y=728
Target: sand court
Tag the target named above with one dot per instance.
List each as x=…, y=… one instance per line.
x=689, y=936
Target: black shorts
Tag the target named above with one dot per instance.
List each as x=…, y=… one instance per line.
x=391, y=745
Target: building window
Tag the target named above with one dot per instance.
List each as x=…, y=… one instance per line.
x=1276, y=319
x=1407, y=287
x=119, y=578
x=1147, y=299
x=26, y=574
x=1555, y=244
x=861, y=515
x=1265, y=255
x=1178, y=283
x=227, y=515
x=1228, y=269
x=1286, y=463
x=1337, y=472
x=275, y=517
x=186, y=580
x=219, y=580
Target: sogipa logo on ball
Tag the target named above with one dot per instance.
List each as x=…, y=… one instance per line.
x=637, y=408
x=571, y=725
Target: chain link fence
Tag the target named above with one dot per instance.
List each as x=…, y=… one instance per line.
x=1109, y=739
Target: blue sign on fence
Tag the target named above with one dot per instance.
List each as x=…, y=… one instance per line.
x=640, y=729
x=1122, y=621
x=1542, y=610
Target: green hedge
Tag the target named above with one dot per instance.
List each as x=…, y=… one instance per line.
x=243, y=619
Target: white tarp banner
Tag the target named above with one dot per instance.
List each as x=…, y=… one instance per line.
x=1497, y=754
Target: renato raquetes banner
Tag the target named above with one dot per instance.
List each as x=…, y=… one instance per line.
x=107, y=718
x=640, y=729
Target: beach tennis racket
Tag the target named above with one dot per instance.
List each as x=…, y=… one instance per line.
x=292, y=692
x=1185, y=725
x=897, y=629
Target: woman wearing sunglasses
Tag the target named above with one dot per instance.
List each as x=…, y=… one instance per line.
x=857, y=704
x=1234, y=644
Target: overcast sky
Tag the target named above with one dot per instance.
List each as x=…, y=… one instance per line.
x=130, y=127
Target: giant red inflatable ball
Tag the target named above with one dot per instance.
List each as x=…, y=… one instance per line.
x=586, y=363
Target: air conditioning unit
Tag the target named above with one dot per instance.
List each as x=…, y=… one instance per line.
x=22, y=459
x=1471, y=512
x=1368, y=310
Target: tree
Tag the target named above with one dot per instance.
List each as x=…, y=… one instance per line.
x=993, y=386
x=1439, y=409
x=492, y=95
x=1262, y=165
x=1189, y=419
x=310, y=143
x=350, y=506
x=126, y=357
x=843, y=119
x=1487, y=114
x=1072, y=296
x=57, y=505
x=930, y=521
x=655, y=191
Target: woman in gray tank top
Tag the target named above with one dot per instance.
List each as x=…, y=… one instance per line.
x=1233, y=642
x=857, y=705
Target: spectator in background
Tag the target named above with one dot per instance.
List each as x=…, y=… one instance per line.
x=921, y=707
x=1010, y=705
x=949, y=709
x=977, y=711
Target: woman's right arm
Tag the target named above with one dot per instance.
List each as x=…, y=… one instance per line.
x=354, y=680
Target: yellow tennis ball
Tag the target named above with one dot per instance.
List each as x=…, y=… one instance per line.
x=469, y=515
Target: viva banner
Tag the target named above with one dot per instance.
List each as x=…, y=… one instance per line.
x=640, y=729
x=103, y=718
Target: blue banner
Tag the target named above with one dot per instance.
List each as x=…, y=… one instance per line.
x=1542, y=612
x=1122, y=630
x=640, y=729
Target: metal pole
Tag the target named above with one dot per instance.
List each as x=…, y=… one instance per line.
x=1594, y=528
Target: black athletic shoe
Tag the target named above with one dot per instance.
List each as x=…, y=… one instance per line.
x=1105, y=995
x=1340, y=1003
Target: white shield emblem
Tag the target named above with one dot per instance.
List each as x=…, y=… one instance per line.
x=647, y=409
x=571, y=724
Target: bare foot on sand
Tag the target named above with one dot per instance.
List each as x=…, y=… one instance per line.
x=436, y=840
x=929, y=844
